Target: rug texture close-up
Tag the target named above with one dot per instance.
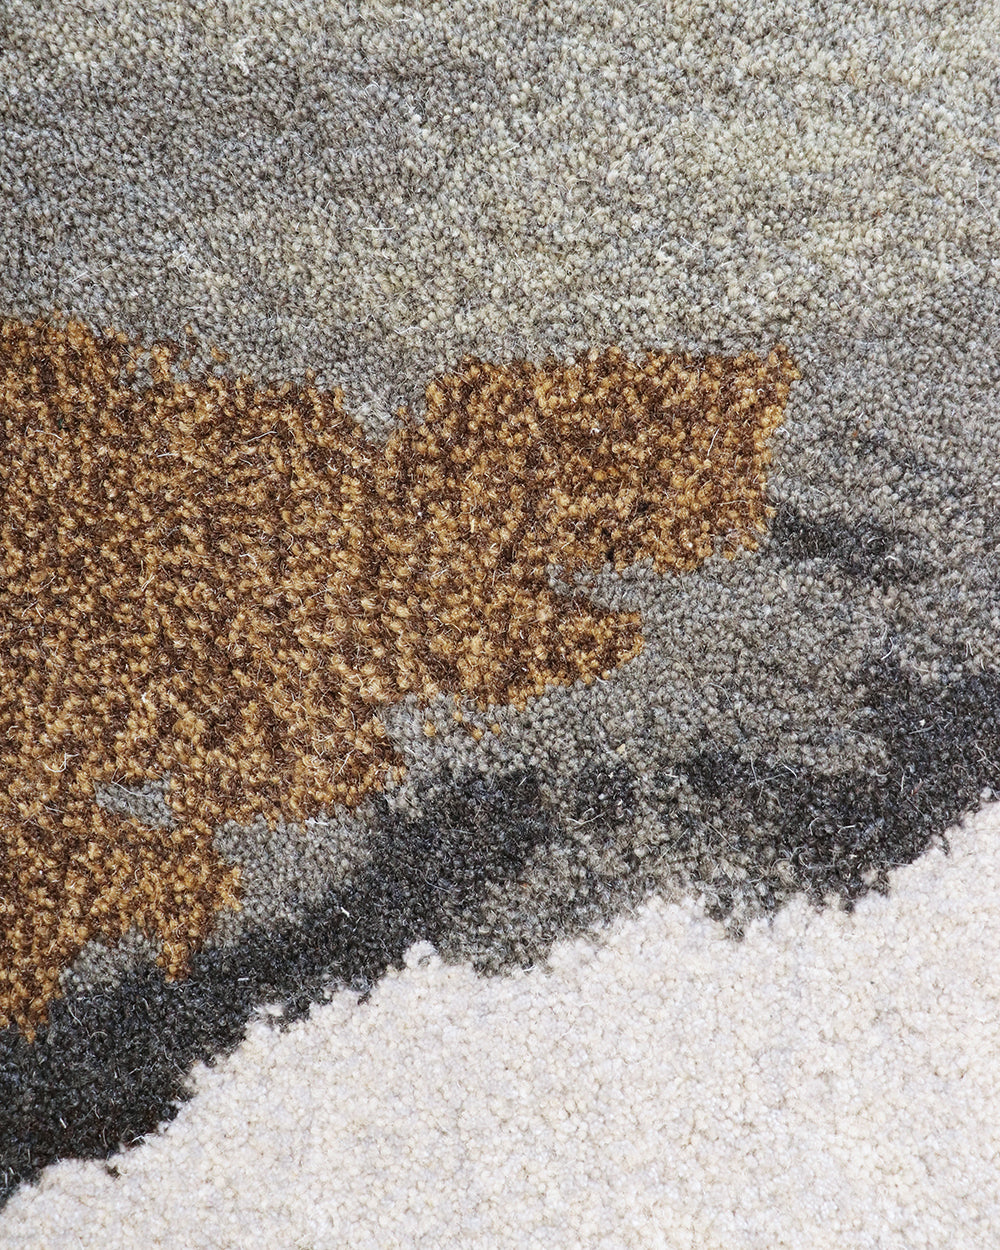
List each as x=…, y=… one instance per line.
x=500, y=625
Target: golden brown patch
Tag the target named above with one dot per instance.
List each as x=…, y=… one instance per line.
x=227, y=583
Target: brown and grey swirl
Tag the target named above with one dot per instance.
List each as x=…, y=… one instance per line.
x=377, y=199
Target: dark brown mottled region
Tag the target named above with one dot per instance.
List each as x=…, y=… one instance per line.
x=227, y=583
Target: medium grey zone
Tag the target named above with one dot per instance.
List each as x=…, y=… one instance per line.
x=372, y=193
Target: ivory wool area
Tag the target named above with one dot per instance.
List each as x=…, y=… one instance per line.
x=499, y=630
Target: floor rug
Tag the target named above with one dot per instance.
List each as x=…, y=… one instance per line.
x=499, y=629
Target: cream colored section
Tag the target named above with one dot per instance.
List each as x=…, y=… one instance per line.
x=833, y=1081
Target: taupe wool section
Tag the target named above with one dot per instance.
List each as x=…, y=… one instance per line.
x=377, y=191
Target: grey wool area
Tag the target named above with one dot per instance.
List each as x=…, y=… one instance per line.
x=375, y=191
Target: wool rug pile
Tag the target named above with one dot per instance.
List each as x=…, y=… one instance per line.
x=499, y=624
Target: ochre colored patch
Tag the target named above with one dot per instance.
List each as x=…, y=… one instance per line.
x=227, y=583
